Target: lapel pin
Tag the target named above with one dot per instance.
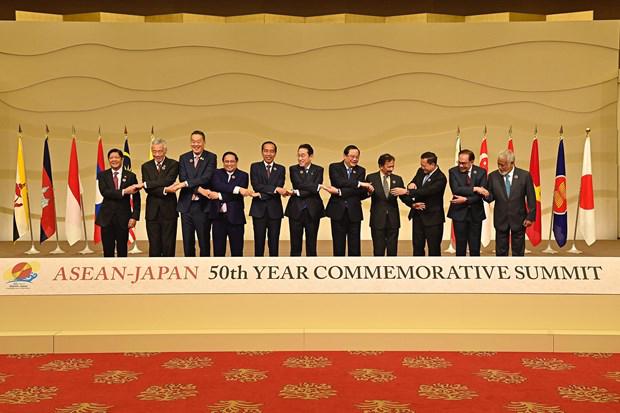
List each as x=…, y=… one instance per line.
x=163, y=167
x=515, y=177
x=191, y=160
x=202, y=159
x=232, y=177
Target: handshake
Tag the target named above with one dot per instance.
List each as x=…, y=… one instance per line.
x=132, y=189
x=213, y=195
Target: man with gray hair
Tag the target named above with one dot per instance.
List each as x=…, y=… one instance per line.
x=158, y=175
x=515, y=204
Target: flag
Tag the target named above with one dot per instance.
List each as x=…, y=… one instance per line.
x=587, y=224
x=152, y=139
x=73, y=213
x=484, y=164
x=21, y=206
x=534, y=231
x=48, y=201
x=457, y=149
x=98, y=196
x=511, y=146
x=560, y=206
x=127, y=167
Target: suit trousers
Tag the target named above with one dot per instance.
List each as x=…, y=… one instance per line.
x=346, y=234
x=517, y=242
x=162, y=236
x=266, y=228
x=113, y=237
x=467, y=233
x=222, y=230
x=427, y=234
x=384, y=239
x=297, y=228
x=195, y=222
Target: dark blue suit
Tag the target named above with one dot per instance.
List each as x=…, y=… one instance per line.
x=228, y=215
x=266, y=210
x=194, y=221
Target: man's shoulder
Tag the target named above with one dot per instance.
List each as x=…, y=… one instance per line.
x=373, y=175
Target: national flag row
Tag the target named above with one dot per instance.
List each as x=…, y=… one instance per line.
x=75, y=226
x=585, y=219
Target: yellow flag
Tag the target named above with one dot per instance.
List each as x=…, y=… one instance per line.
x=21, y=206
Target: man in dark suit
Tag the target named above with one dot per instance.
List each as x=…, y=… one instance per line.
x=267, y=178
x=115, y=217
x=466, y=207
x=228, y=187
x=196, y=168
x=384, y=215
x=515, y=204
x=426, y=191
x=305, y=207
x=348, y=188
x=161, y=206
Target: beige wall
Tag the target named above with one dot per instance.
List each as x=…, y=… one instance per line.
x=398, y=88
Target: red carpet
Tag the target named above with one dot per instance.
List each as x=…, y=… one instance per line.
x=286, y=382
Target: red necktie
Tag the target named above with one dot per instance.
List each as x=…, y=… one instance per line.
x=115, y=179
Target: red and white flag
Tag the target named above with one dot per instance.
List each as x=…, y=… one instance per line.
x=487, y=226
x=587, y=223
x=98, y=196
x=73, y=212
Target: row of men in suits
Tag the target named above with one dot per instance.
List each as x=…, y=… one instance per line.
x=211, y=202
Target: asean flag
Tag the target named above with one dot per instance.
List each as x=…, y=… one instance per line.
x=560, y=205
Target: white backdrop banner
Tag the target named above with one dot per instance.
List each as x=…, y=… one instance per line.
x=321, y=275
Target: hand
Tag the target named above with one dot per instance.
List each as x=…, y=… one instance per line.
x=481, y=191
x=213, y=195
x=412, y=186
x=527, y=223
x=203, y=191
x=398, y=191
x=282, y=191
x=368, y=186
x=458, y=200
x=246, y=192
x=420, y=206
x=140, y=185
x=255, y=195
x=332, y=190
x=130, y=190
x=131, y=224
x=173, y=188
x=371, y=189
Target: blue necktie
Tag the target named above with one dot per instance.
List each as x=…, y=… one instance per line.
x=507, y=183
x=348, y=173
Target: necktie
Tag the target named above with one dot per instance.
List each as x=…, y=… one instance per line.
x=386, y=186
x=196, y=158
x=468, y=180
x=425, y=179
x=158, y=167
x=268, y=171
x=115, y=179
x=507, y=183
x=348, y=173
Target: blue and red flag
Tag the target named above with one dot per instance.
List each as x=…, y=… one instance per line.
x=127, y=167
x=48, y=202
x=98, y=196
x=560, y=204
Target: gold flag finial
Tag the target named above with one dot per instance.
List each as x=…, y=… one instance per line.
x=19, y=129
x=485, y=130
x=458, y=130
x=561, y=130
x=47, y=130
x=535, y=130
x=73, y=130
x=152, y=130
x=510, y=132
x=588, y=130
x=125, y=130
x=99, y=132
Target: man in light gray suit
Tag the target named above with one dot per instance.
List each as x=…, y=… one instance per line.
x=515, y=204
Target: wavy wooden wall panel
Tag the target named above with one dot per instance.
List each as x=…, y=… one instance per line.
x=388, y=88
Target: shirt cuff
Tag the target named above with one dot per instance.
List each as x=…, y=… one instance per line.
x=219, y=196
x=236, y=190
x=296, y=192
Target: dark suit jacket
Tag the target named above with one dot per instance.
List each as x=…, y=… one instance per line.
x=349, y=200
x=510, y=211
x=473, y=210
x=116, y=208
x=307, y=184
x=269, y=204
x=384, y=211
x=160, y=206
x=431, y=194
x=196, y=176
x=234, y=202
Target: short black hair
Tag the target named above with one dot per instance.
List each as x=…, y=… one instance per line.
x=230, y=153
x=269, y=143
x=385, y=158
x=349, y=148
x=198, y=132
x=469, y=153
x=307, y=147
x=430, y=157
x=115, y=150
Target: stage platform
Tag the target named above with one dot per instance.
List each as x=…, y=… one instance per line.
x=236, y=322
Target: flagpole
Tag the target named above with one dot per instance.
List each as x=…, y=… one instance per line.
x=573, y=249
x=86, y=250
x=57, y=250
x=33, y=250
x=135, y=249
x=450, y=249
